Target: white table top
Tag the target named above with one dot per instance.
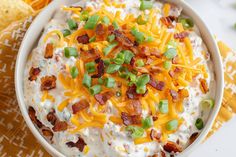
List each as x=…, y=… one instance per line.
x=220, y=16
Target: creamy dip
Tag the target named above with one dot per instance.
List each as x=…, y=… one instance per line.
x=118, y=113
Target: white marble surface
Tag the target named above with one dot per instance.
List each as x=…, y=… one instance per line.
x=220, y=16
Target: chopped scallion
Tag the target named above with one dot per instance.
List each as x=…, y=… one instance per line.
x=93, y=39
x=87, y=80
x=112, y=68
x=147, y=122
x=146, y=5
x=90, y=67
x=115, y=24
x=109, y=82
x=66, y=32
x=74, y=72
x=170, y=53
x=186, y=22
x=139, y=36
x=72, y=24
x=70, y=51
x=136, y=132
x=105, y=20
x=167, y=65
x=111, y=38
x=163, y=106
x=172, y=125
x=120, y=58
x=141, y=20
x=96, y=89
x=207, y=104
x=128, y=56
x=139, y=63
x=199, y=124
x=109, y=48
x=92, y=22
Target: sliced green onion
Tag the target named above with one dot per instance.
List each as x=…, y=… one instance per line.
x=92, y=22
x=107, y=62
x=136, y=132
x=90, y=67
x=186, y=22
x=171, y=44
x=172, y=125
x=93, y=39
x=146, y=5
x=84, y=15
x=96, y=89
x=110, y=82
x=141, y=89
x=87, y=80
x=120, y=58
x=115, y=24
x=139, y=63
x=199, y=124
x=163, y=106
x=147, y=122
x=111, y=38
x=70, y=51
x=74, y=72
x=105, y=20
x=128, y=56
x=109, y=48
x=142, y=20
x=66, y=32
x=170, y=53
x=112, y=68
x=142, y=80
x=100, y=81
x=139, y=36
x=167, y=65
x=132, y=77
x=72, y=24
x=149, y=39
x=207, y=104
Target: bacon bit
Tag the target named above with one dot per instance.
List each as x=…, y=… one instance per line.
x=155, y=52
x=48, y=82
x=49, y=51
x=168, y=21
x=183, y=93
x=174, y=95
x=102, y=98
x=83, y=39
x=178, y=70
x=121, y=38
x=154, y=118
x=175, y=60
x=204, y=87
x=154, y=155
x=154, y=135
x=171, y=73
x=100, y=30
x=163, y=154
x=156, y=69
x=34, y=72
x=32, y=115
x=47, y=132
x=130, y=120
x=60, y=126
x=132, y=62
x=79, y=106
x=181, y=36
x=80, y=144
x=131, y=93
x=193, y=137
x=51, y=117
x=159, y=85
x=144, y=52
x=134, y=107
x=172, y=147
x=110, y=29
x=100, y=68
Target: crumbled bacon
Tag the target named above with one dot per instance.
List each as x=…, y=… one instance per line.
x=48, y=51
x=121, y=38
x=48, y=82
x=60, y=126
x=100, y=68
x=110, y=29
x=80, y=144
x=34, y=72
x=102, y=98
x=134, y=107
x=159, y=85
x=51, y=117
x=174, y=95
x=181, y=36
x=178, y=70
x=83, y=39
x=172, y=147
x=175, y=60
x=156, y=69
x=130, y=120
x=154, y=155
x=100, y=30
x=47, y=132
x=204, y=86
x=132, y=62
x=145, y=51
x=193, y=137
x=163, y=154
x=79, y=106
x=154, y=135
x=168, y=21
x=32, y=115
x=131, y=93
x=154, y=118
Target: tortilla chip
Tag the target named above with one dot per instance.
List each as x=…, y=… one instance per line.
x=13, y=10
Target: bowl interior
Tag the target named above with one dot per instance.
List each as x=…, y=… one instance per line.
x=42, y=19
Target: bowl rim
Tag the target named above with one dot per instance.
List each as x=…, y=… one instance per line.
x=54, y=5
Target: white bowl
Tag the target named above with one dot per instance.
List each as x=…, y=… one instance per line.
x=32, y=36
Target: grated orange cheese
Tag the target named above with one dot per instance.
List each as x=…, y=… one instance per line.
x=54, y=32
